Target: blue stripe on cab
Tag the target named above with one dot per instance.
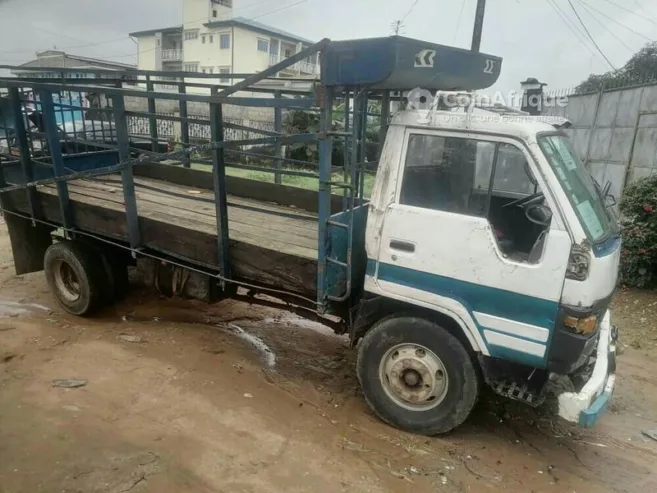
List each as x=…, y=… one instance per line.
x=479, y=298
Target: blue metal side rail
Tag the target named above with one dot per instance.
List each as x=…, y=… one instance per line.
x=31, y=141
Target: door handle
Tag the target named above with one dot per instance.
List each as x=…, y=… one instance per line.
x=402, y=246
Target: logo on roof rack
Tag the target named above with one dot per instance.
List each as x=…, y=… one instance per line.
x=425, y=58
x=490, y=66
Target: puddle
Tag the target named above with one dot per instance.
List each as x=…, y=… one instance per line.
x=12, y=308
x=268, y=355
x=303, y=323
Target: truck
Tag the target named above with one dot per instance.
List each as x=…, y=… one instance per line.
x=485, y=254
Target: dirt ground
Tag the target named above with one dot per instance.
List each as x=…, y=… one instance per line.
x=184, y=397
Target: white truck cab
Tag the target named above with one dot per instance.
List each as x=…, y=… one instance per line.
x=489, y=228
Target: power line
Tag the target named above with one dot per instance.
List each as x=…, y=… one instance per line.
x=576, y=29
x=644, y=17
x=458, y=22
x=410, y=10
x=589, y=35
x=616, y=21
x=572, y=27
x=606, y=28
x=282, y=8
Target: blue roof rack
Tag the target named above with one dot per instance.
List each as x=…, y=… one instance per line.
x=399, y=63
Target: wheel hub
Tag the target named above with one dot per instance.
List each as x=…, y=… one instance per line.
x=67, y=281
x=413, y=376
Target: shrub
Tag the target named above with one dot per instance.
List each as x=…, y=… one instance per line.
x=639, y=255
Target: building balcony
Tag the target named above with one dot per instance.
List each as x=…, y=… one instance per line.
x=172, y=55
x=298, y=68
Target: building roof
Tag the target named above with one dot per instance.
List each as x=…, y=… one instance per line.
x=163, y=30
x=60, y=59
x=235, y=21
x=260, y=27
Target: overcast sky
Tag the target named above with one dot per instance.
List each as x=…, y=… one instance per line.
x=528, y=34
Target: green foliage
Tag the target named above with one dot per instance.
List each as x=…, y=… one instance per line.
x=639, y=255
x=300, y=121
x=641, y=68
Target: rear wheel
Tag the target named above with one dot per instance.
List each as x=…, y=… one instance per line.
x=417, y=376
x=76, y=276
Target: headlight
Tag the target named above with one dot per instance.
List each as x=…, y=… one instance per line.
x=578, y=264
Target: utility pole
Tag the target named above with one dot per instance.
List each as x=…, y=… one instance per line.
x=479, y=25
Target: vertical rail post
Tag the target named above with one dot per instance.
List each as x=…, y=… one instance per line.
x=23, y=148
x=127, y=179
x=385, y=116
x=324, y=207
x=346, y=149
x=152, y=120
x=184, y=125
x=478, y=25
x=278, y=127
x=362, y=151
x=54, y=145
x=219, y=181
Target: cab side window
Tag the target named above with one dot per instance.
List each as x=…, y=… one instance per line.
x=482, y=179
x=449, y=174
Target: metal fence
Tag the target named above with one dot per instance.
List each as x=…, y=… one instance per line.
x=615, y=132
x=166, y=129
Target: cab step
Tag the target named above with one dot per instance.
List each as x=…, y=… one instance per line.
x=519, y=392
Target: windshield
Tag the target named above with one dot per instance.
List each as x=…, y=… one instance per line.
x=582, y=193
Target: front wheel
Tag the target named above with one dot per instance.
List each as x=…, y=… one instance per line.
x=417, y=376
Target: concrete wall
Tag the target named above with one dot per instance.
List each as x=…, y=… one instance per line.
x=147, y=53
x=247, y=57
x=615, y=133
x=195, y=13
x=172, y=107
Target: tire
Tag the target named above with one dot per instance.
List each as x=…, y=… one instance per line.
x=115, y=271
x=414, y=349
x=76, y=276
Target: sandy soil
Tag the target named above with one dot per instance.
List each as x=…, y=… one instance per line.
x=199, y=404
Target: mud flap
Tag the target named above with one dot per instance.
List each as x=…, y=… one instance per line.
x=29, y=243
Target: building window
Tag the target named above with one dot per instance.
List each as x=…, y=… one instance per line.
x=203, y=39
x=203, y=70
x=210, y=70
x=191, y=35
x=224, y=41
x=224, y=70
x=214, y=13
x=191, y=67
x=263, y=45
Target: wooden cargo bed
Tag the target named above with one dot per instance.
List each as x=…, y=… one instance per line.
x=276, y=250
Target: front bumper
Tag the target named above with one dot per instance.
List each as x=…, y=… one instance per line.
x=587, y=406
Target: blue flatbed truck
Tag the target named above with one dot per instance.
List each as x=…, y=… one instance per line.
x=436, y=302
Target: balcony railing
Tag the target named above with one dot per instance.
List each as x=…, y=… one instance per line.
x=172, y=55
x=297, y=68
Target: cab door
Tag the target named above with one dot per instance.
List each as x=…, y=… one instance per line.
x=438, y=247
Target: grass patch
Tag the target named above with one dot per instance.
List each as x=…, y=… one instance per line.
x=304, y=182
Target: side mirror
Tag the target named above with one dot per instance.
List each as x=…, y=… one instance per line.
x=539, y=214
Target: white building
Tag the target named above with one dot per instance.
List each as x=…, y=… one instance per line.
x=212, y=40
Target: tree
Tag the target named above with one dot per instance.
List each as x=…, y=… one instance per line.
x=641, y=68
